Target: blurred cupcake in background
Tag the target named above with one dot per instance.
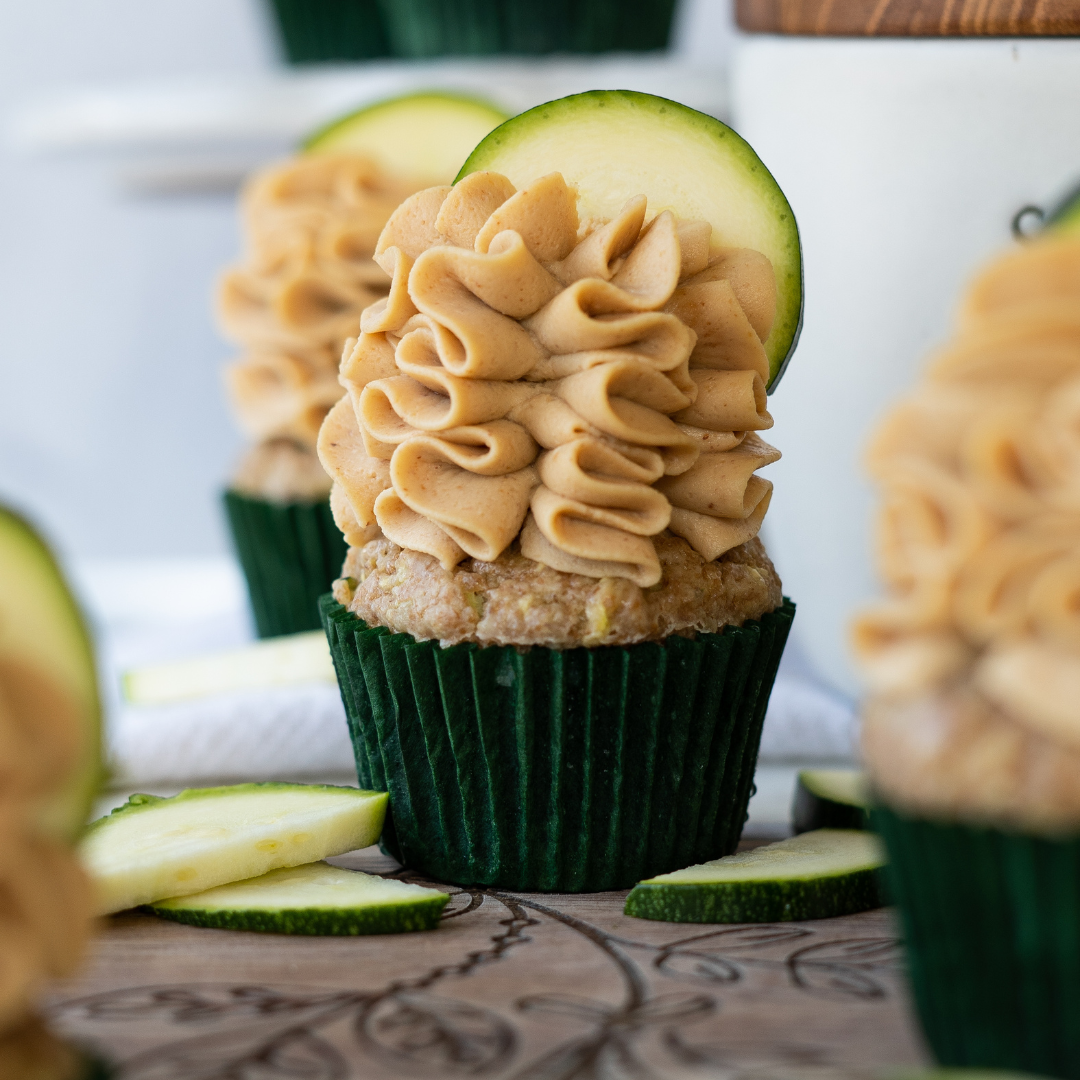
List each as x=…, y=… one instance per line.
x=313, y=31
x=311, y=225
x=418, y=28
x=972, y=730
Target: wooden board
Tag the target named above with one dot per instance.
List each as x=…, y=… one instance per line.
x=911, y=18
x=529, y=987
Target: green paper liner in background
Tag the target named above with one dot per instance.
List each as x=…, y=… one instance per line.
x=290, y=554
x=992, y=927
x=314, y=31
x=557, y=771
x=419, y=28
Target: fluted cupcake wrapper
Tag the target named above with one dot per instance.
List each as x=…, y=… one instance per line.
x=290, y=554
x=569, y=771
x=992, y=926
x=316, y=30
x=472, y=27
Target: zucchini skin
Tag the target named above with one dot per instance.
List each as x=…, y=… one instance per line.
x=314, y=922
x=757, y=902
x=811, y=811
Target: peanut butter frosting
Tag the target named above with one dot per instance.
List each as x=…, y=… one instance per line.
x=45, y=898
x=311, y=226
x=577, y=387
x=974, y=657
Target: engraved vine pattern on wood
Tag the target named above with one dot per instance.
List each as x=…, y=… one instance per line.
x=237, y=1032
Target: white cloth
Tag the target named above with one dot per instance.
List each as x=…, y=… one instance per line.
x=150, y=611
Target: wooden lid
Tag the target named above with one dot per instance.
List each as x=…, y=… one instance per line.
x=911, y=18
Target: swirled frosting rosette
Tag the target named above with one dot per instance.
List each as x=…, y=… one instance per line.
x=311, y=226
x=576, y=388
x=974, y=657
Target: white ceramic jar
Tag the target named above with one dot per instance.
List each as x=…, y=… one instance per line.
x=904, y=161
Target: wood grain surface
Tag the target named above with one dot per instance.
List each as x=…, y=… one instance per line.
x=911, y=18
x=510, y=987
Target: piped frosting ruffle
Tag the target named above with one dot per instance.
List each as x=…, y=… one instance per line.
x=979, y=532
x=580, y=393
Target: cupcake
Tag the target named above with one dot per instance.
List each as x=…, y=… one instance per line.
x=971, y=733
x=311, y=226
x=437, y=28
x=557, y=629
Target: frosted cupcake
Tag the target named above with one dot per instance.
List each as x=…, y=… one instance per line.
x=557, y=629
x=311, y=227
x=972, y=734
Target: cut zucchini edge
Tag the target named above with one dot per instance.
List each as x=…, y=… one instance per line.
x=155, y=848
x=275, y=903
x=782, y=882
x=140, y=802
x=36, y=600
x=647, y=116
x=831, y=799
x=1065, y=217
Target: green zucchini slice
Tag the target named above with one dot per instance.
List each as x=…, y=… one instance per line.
x=1065, y=217
x=831, y=799
x=279, y=661
x=47, y=664
x=817, y=875
x=153, y=849
x=313, y=899
x=614, y=144
x=421, y=137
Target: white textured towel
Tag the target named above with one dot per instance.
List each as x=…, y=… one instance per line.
x=152, y=611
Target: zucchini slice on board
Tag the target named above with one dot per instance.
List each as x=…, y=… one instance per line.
x=612, y=145
x=423, y=137
x=817, y=875
x=313, y=899
x=154, y=849
x=831, y=799
x=47, y=665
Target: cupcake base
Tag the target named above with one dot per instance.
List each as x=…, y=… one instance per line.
x=472, y=27
x=321, y=30
x=290, y=554
x=992, y=926
x=561, y=771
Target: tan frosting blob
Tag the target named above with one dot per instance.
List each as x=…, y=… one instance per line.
x=579, y=389
x=979, y=543
x=45, y=898
x=311, y=226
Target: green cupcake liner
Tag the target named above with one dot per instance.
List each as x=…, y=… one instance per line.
x=325, y=30
x=557, y=771
x=473, y=27
x=290, y=554
x=992, y=926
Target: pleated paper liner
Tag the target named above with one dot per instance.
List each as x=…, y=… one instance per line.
x=472, y=27
x=290, y=554
x=992, y=926
x=321, y=30
x=570, y=771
